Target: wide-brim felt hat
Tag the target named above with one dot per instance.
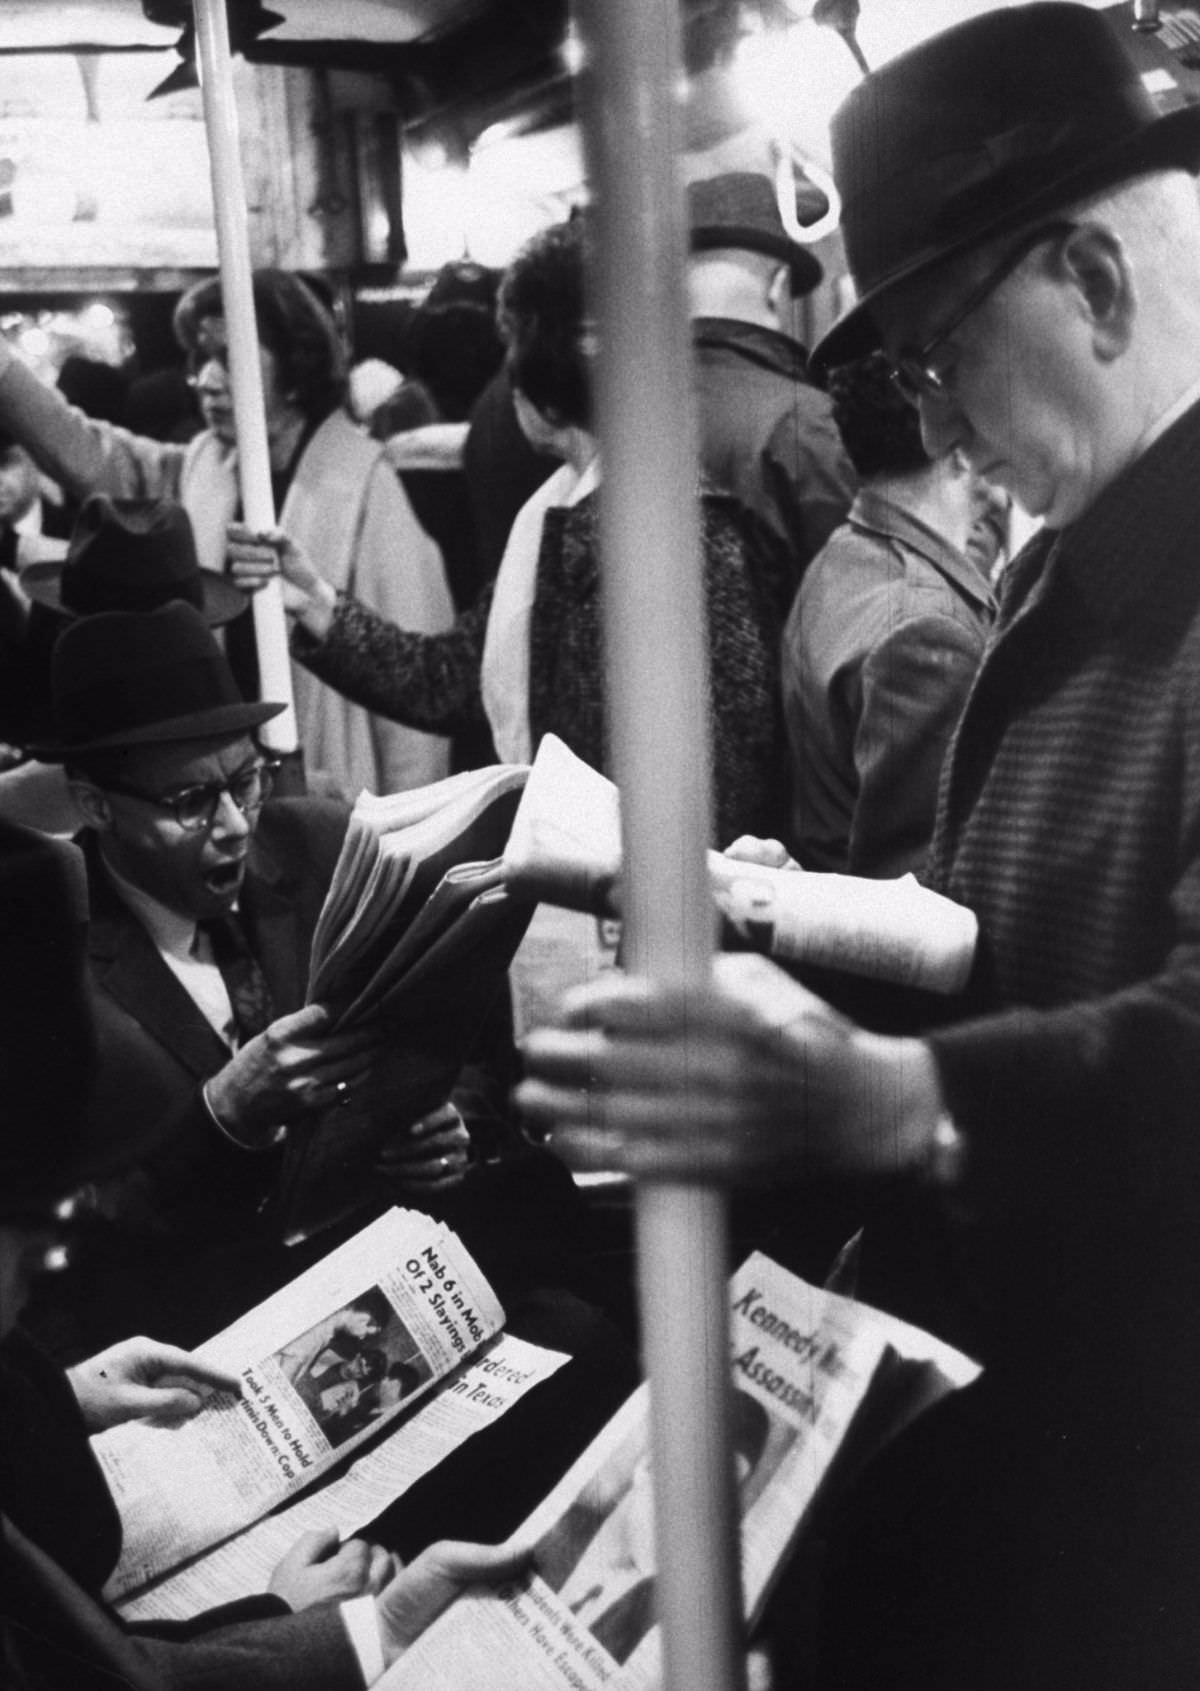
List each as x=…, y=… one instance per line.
x=140, y=679
x=738, y=209
x=980, y=132
x=132, y=555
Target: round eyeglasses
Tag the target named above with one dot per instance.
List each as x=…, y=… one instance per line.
x=913, y=369
x=196, y=807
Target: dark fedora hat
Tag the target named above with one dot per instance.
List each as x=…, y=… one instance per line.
x=131, y=555
x=981, y=131
x=740, y=210
x=67, y=1118
x=138, y=679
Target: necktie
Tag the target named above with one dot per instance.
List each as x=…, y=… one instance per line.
x=249, y=994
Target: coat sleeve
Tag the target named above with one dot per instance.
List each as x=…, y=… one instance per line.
x=84, y=455
x=428, y=681
x=256, y=1646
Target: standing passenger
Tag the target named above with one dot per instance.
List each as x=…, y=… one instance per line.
x=883, y=642
x=332, y=486
x=767, y=435
x=1023, y=229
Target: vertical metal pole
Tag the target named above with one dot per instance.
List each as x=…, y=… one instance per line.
x=657, y=688
x=245, y=372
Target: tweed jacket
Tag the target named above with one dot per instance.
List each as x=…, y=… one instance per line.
x=768, y=438
x=879, y=651
x=434, y=681
x=59, y=1538
x=1069, y=821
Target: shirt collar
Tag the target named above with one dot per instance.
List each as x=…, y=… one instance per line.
x=171, y=932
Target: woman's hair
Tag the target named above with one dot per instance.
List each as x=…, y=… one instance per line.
x=880, y=428
x=293, y=326
x=543, y=319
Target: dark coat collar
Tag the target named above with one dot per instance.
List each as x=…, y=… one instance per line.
x=770, y=348
x=1132, y=555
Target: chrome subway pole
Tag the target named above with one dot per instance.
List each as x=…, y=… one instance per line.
x=245, y=373
x=658, y=715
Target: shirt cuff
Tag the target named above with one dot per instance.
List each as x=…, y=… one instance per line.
x=362, y=1628
x=265, y=1143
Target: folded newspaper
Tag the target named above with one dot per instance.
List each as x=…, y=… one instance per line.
x=415, y=935
x=565, y=847
x=816, y=1378
x=398, y=1325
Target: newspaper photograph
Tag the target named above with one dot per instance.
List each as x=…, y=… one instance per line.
x=401, y=1306
x=481, y=1390
x=804, y=1363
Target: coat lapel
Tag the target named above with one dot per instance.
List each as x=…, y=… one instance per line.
x=274, y=925
x=127, y=966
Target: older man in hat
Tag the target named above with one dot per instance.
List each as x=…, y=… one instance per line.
x=767, y=434
x=1022, y=225
x=204, y=897
x=334, y=1615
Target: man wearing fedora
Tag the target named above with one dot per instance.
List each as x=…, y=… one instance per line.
x=335, y=1614
x=204, y=898
x=767, y=434
x=1023, y=228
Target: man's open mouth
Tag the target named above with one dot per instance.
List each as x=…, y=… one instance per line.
x=225, y=877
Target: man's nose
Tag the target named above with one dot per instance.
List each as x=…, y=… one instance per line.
x=230, y=818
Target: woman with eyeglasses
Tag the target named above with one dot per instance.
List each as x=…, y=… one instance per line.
x=333, y=488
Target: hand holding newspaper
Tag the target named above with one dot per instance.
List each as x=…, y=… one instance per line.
x=565, y=847
x=414, y=937
x=348, y=1347
x=815, y=1377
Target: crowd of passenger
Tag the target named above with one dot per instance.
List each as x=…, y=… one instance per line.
x=890, y=692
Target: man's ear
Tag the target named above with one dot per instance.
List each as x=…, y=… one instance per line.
x=1096, y=261
x=92, y=803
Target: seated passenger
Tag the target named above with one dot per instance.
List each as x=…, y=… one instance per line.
x=59, y=1530
x=883, y=641
x=204, y=895
x=529, y=657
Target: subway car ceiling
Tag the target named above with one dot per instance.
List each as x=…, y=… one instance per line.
x=382, y=136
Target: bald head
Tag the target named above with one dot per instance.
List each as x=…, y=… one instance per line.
x=732, y=282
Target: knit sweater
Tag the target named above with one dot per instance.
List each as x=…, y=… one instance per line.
x=433, y=681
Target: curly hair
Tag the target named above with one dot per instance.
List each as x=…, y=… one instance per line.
x=293, y=326
x=880, y=428
x=542, y=316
